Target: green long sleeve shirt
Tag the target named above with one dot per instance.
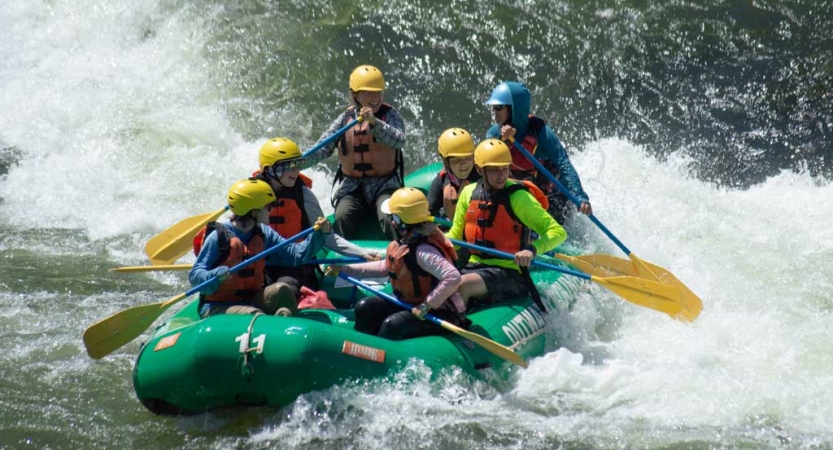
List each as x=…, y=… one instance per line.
x=529, y=212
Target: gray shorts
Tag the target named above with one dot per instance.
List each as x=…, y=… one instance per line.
x=502, y=283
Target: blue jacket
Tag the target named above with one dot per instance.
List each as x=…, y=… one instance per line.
x=295, y=254
x=549, y=146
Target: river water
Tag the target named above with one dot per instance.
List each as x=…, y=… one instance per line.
x=701, y=130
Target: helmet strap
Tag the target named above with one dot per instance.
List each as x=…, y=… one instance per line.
x=246, y=222
x=455, y=180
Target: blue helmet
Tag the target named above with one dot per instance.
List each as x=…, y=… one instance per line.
x=501, y=95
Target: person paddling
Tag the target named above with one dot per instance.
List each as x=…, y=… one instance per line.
x=280, y=160
x=369, y=154
x=511, y=102
x=499, y=213
x=420, y=263
x=228, y=244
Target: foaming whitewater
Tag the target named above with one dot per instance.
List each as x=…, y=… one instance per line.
x=757, y=362
x=115, y=116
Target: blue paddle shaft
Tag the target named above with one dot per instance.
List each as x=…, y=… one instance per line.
x=300, y=235
x=569, y=194
x=257, y=257
x=330, y=139
x=506, y=255
x=385, y=296
x=347, y=260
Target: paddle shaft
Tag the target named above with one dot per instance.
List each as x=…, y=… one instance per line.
x=506, y=255
x=330, y=139
x=110, y=334
x=384, y=295
x=347, y=260
x=569, y=194
x=255, y=258
x=152, y=268
x=486, y=343
x=169, y=245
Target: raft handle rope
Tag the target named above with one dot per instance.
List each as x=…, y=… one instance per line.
x=246, y=369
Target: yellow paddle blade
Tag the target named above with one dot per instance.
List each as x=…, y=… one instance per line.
x=110, y=334
x=607, y=266
x=152, y=268
x=600, y=265
x=169, y=245
x=691, y=303
x=488, y=344
x=650, y=294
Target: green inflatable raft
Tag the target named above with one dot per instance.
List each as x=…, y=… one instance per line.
x=191, y=365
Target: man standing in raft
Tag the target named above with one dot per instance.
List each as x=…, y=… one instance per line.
x=369, y=154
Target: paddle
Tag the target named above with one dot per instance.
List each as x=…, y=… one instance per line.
x=643, y=269
x=151, y=268
x=599, y=265
x=169, y=245
x=108, y=335
x=488, y=344
x=346, y=260
x=639, y=291
x=332, y=138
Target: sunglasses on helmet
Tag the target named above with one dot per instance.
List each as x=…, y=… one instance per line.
x=278, y=169
x=398, y=222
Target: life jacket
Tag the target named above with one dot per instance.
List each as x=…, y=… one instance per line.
x=246, y=282
x=451, y=192
x=522, y=167
x=491, y=222
x=361, y=156
x=288, y=216
x=410, y=282
x=199, y=238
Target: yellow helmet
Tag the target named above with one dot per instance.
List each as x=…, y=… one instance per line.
x=276, y=150
x=249, y=194
x=455, y=142
x=367, y=78
x=492, y=153
x=409, y=204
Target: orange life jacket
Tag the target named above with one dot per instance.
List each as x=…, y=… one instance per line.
x=199, y=238
x=522, y=167
x=410, y=282
x=288, y=216
x=246, y=282
x=491, y=222
x=361, y=156
x=451, y=192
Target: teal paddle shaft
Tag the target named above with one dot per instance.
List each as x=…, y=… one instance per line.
x=506, y=255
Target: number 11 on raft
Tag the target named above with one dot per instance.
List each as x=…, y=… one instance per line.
x=243, y=339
